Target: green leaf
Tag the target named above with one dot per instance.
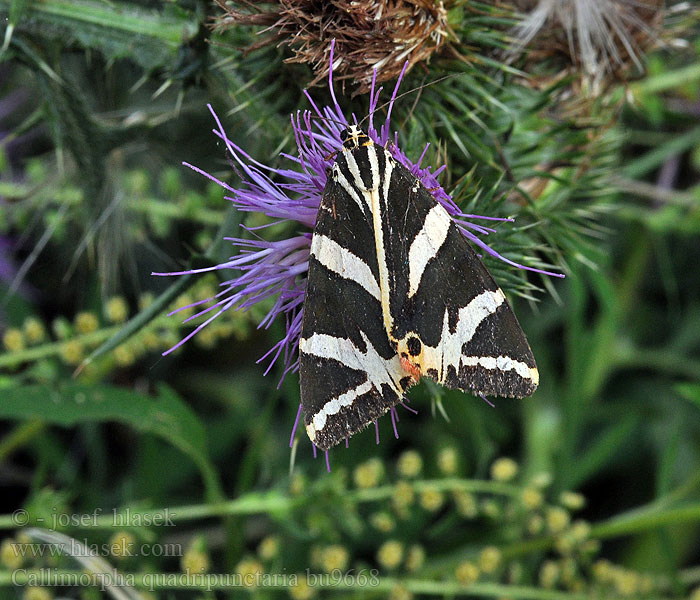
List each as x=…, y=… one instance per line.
x=118, y=30
x=602, y=451
x=689, y=391
x=166, y=416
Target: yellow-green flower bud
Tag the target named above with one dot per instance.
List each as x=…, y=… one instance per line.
x=490, y=559
x=504, y=469
x=549, y=574
x=466, y=504
x=410, y=464
x=415, y=558
x=10, y=554
x=448, y=460
x=302, y=590
x=431, y=499
x=369, y=473
x=335, y=557
x=390, y=554
x=383, y=521
x=557, y=519
x=467, y=573
x=86, y=322
x=532, y=498
x=13, y=340
x=269, y=547
x=34, y=330
x=122, y=544
x=116, y=310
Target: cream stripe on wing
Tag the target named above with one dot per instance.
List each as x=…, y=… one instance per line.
x=343, y=262
x=332, y=407
x=378, y=369
x=354, y=170
x=503, y=363
x=426, y=245
x=449, y=349
x=345, y=184
x=389, y=162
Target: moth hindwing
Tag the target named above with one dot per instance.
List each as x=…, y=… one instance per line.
x=395, y=292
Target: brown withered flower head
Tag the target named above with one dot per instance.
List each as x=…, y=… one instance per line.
x=600, y=40
x=369, y=35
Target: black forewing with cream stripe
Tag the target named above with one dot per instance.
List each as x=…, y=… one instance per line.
x=392, y=279
x=466, y=334
x=350, y=373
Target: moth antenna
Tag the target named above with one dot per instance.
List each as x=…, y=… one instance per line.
x=322, y=118
x=407, y=92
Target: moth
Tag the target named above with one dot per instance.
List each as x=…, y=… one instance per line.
x=395, y=293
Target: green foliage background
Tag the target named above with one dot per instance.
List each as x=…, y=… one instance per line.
x=114, y=99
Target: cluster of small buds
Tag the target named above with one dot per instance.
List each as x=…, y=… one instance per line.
x=88, y=330
x=623, y=582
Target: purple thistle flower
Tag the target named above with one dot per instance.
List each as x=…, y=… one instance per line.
x=277, y=269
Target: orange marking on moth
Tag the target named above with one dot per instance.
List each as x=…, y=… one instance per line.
x=412, y=369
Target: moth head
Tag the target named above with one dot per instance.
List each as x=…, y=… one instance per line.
x=353, y=137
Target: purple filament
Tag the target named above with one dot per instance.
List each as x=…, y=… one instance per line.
x=328, y=463
x=407, y=407
x=376, y=428
x=314, y=447
x=394, y=417
x=485, y=399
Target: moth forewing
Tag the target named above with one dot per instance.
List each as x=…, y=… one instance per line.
x=395, y=292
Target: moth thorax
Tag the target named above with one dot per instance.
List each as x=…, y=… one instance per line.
x=353, y=137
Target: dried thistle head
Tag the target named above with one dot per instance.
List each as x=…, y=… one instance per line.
x=602, y=40
x=368, y=34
